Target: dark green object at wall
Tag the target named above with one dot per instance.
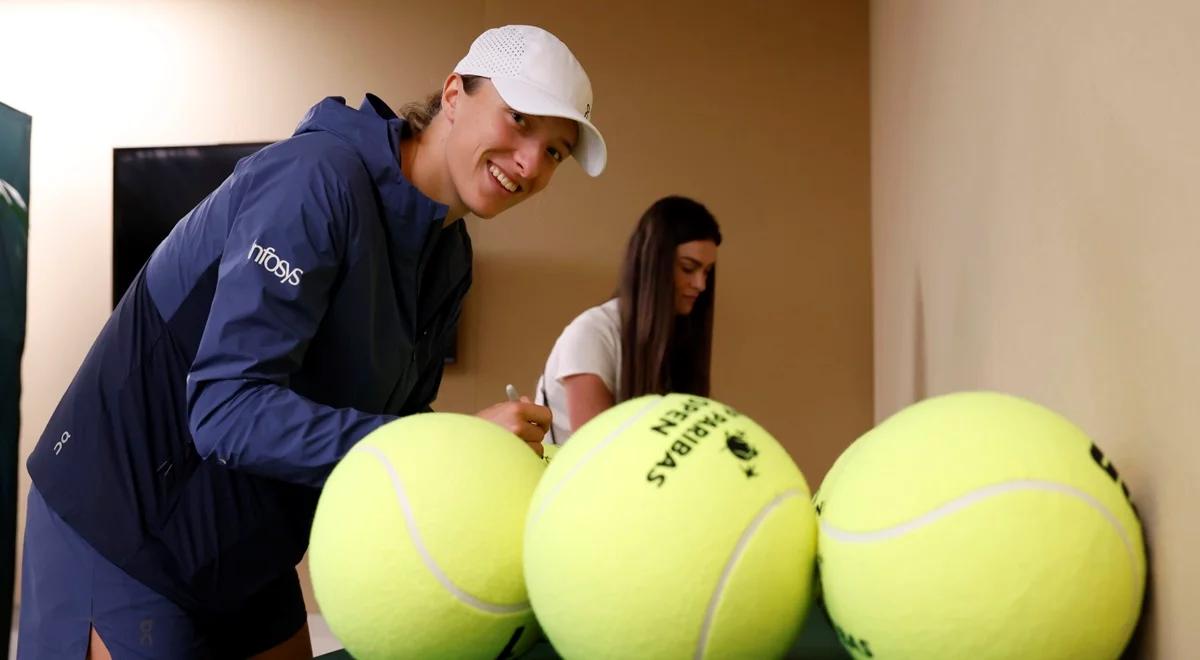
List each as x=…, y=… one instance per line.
x=15, y=130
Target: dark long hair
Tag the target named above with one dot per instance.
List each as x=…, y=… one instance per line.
x=418, y=114
x=662, y=351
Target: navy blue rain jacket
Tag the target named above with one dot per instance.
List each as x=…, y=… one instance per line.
x=304, y=303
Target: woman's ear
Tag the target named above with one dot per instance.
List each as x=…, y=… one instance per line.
x=452, y=91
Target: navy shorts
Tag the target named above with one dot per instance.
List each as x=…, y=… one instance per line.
x=67, y=588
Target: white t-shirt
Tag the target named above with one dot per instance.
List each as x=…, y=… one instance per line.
x=591, y=344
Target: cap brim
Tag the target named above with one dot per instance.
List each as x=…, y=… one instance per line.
x=590, y=151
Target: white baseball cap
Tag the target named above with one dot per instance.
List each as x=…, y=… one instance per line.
x=536, y=74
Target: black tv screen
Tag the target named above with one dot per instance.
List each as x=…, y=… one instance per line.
x=154, y=187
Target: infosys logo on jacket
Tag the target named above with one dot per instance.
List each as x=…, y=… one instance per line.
x=280, y=268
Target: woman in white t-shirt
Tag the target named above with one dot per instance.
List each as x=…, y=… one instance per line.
x=655, y=336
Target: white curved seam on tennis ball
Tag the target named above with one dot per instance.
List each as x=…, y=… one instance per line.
x=419, y=543
x=976, y=496
x=743, y=541
x=613, y=435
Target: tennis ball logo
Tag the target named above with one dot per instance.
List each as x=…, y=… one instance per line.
x=853, y=643
x=1102, y=461
x=736, y=444
x=692, y=423
x=701, y=427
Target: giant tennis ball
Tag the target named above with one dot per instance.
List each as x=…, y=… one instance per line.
x=671, y=527
x=979, y=525
x=416, y=543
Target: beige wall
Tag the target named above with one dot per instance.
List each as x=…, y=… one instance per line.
x=1035, y=230
x=758, y=109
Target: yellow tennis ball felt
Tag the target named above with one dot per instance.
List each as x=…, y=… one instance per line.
x=979, y=525
x=416, y=543
x=671, y=527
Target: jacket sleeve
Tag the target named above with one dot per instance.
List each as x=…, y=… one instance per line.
x=281, y=258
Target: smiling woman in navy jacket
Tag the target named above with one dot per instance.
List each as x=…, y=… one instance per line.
x=304, y=303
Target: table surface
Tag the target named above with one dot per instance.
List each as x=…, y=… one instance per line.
x=816, y=642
